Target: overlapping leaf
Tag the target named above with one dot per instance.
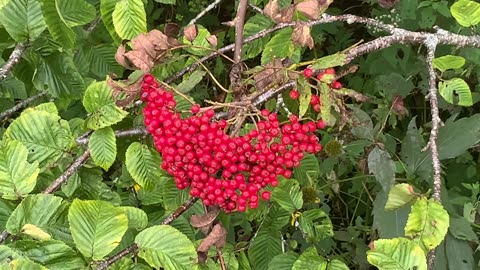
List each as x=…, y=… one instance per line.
x=22, y=19
x=129, y=18
x=103, y=147
x=397, y=253
x=143, y=164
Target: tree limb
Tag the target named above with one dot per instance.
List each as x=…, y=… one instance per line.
x=21, y=105
x=13, y=59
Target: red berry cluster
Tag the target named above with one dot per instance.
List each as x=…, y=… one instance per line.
x=308, y=72
x=314, y=100
x=223, y=170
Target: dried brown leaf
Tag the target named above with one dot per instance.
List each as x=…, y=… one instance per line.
x=190, y=32
x=204, y=220
x=387, y=3
x=271, y=73
x=121, y=59
x=141, y=60
x=311, y=8
x=217, y=237
x=143, y=43
x=159, y=40
x=171, y=30
x=399, y=107
x=272, y=10
x=212, y=39
x=301, y=36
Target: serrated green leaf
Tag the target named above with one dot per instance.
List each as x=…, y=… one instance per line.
x=283, y=261
x=103, y=147
x=400, y=195
x=99, y=103
x=466, y=12
x=334, y=60
x=17, y=176
x=310, y=260
x=309, y=170
x=383, y=167
x=337, y=265
x=23, y=20
x=199, y=43
x=254, y=25
x=168, y=2
x=264, y=248
x=7, y=254
x=288, y=195
x=315, y=225
x=173, y=198
x=191, y=81
x=106, y=10
x=165, y=246
x=56, y=23
x=129, y=18
x=397, y=253
x=97, y=227
x=100, y=60
x=460, y=87
x=428, y=222
x=53, y=254
x=46, y=136
x=76, y=13
x=45, y=211
x=21, y=264
x=279, y=46
x=137, y=218
x=446, y=62
x=303, y=88
x=143, y=164
x=326, y=105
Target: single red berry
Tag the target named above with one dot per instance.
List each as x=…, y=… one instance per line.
x=320, y=76
x=314, y=100
x=308, y=72
x=321, y=124
x=294, y=94
x=148, y=79
x=329, y=71
x=266, y=195
x=195, y=109
x=317, y=107
x=336, y=85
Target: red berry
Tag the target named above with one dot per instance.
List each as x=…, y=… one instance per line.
x=329, y=71
x=195, y=109
x=148, y=79
x=314, y=100
x=294, y=94
x=308, y=72
x=336, y=85
x=266, y=195
x=320, y=76
x=317, y=107
x=321, y=124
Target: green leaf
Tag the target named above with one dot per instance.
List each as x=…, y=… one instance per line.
x=191, y=81
x=400, y=195
x=460, y=87
x=446, y=62
x=103, y=147
x=454, y=138
x=288, y=195
x=53, y=254
x=389, y=224
x=45, y=211
x=129, y=18
x=362, y=125
x=458, y=253
x=99, y=103
x=305, y=96
x=6, y=209
x=23, y=20
x=97, y=227
x=21, y=264
x=200, y=43
x=46, y=136
x=315, y=225
x=283, y=261
x=165, y=246
x=168, y=2
x=309, y=170
x=3, y=3
x=137, y=218
x=310, y=260
x=428, y=222
x=279, y=46
x=76, y=13
x=337, y=265
x=252, y=26
x=397, y=253
x=56, y=23
x=334, y=60
x=143, y=164
x=17, y=176
x=7, y=254
x=264, y=248
x=417, y=162
x=106, y=10
x=466, y=12
x=100, y=60
x=383, y=167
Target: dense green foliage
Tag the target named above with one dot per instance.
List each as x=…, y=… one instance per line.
x=80, y=178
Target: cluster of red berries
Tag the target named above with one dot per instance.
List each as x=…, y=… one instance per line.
x=315, y=100
x=229, y=171
x=309, y=72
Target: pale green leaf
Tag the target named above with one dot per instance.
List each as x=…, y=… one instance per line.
x=337, y=265
x=17, y=176
x=129, y=18
x=3, y=3
x=201, y=46
x=303, y=88
x=76, y=13
x=397, y=253
x=283, y=261
x=21, y=264
x=383, y=167
x=400, y=195
x=264, y=248
x=35, y=232
x=137, y=218
x=446, y=62
x=288, y=195
x=106, y=10
x=310, y=260
x=143, y=164
x=460, y=87
x=103, y=147
x=315, y=225
x=163, y=246
x=46, y=136
x=191, y=81
x=56, y=23
x=99, y=103
x=328, y=61
x=279, y=46
x=169, y=2
x=22, y=19
x=428, y=222
x=466, y=12
x=97, y=227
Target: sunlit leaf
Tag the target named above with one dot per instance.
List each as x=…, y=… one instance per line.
x=397, y=253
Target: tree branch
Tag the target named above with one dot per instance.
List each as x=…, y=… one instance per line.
x=13, y=59
x=21, y=105
x=118, y=133
x=203, y=12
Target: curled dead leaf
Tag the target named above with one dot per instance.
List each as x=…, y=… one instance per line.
x=271, y=73
x=387, y=3
x=121, y=59
x=399, y=108
x=190, y=32
x=198, y=221
x=212, y=39
x=301, y=36
x=141, y=60
x=128, y=87
x=217, y=237
x=311, y=8
x=142, y=43
x=272, y=10
x=171, y=30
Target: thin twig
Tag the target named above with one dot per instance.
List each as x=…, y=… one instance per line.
x=94, y=24
x=132, y=249
x=21, y=105
x=118, y=133
x=207, y=9
x=239, y=24
x=221, y=259
x=257, y=9
x=4, y=236
x=13, y=59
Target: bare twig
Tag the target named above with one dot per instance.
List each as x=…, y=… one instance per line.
x=13, y=59
x=257, y=9
x=21, y=105
x=221, y=259
x=67, y=173
x=4, y=236
x=239, y=24
x=203, y=12
x=94, y=24
x=132, y=249
x=118, y=133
